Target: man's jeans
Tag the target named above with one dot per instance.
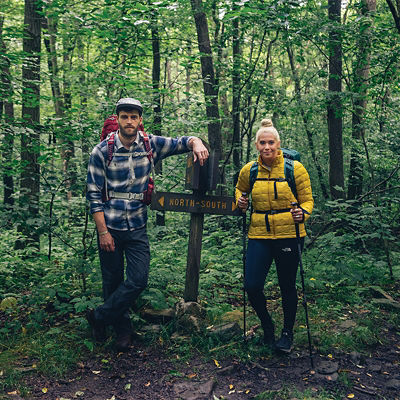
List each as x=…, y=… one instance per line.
x=119, y=294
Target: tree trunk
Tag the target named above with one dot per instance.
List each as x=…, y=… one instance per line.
x=6, y=93
x=207, y=71
x=236, y=92
x=157, y=119
x=30, y=173
x=361, y=77
x=395, y=10
x=334, y=103
x=304, y=117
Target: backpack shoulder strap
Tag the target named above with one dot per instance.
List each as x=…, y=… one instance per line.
x=253, y=174
x=289, y=175
x=149, y=152
x=110, y=148
x=147, y=146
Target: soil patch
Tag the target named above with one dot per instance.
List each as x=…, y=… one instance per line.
x=148, y=373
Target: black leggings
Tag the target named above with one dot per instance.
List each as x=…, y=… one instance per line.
x=259, y=257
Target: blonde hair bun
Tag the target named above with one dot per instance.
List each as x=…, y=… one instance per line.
x=266, y=123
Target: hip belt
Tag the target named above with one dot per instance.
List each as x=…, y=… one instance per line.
x=125, y=195
x=271, y=212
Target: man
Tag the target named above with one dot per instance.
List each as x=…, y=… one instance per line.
x=121, y=219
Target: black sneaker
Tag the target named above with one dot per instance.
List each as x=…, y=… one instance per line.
x=285, y=343
x=98, y=327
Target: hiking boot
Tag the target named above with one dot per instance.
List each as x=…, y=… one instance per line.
x=123, y=342
x=285, y=343
x=98, y=327
x=269, y=341
x=269, y=336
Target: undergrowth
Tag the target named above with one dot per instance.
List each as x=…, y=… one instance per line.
x=43, y=329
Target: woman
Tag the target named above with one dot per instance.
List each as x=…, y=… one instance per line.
x=272, y=233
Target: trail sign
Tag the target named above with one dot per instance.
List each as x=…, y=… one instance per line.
x=180, y=202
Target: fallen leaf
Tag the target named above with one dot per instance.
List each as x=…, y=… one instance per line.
x=232, y=391
x=330, y=356
x=104, y=361
x=350, y=396
x=147, y=384
x=217, y=364
x=191, y=376
x=96, y=372
x=1, y=373
x=45, y=390
x=14, y=392
x=128, y=386
x=247, y=391
x=112, y=398
x=79, y=393
x=231, y=387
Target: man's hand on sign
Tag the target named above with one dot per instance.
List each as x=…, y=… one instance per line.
x=200, y=151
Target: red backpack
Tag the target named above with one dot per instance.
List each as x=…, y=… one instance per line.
x=111, y=126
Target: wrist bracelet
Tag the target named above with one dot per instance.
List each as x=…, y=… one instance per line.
x=103, y=233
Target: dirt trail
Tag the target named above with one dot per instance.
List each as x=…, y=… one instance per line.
x=147, y=373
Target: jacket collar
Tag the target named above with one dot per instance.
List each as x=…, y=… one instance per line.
x=277, y=161
x=118, y=143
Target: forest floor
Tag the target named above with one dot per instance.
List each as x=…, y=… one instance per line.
x=150, y=372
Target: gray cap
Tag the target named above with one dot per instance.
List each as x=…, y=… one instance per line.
x=129, y=104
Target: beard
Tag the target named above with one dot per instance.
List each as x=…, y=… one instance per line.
x=126, y=134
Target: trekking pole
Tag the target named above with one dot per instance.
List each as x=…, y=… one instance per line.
x=295, y=205
x=244, y=223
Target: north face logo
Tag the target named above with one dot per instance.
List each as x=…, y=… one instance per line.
x=286, y=249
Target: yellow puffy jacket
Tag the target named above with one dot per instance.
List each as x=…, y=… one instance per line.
x=269, y=196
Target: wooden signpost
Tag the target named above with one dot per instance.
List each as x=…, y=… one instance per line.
x=199, y=179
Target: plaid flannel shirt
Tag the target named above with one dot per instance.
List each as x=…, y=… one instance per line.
x=126, y=174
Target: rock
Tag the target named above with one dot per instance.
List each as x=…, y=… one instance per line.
x=151, y=329
x=158, y=316
x=348, y=324
x=190, y=307
x=327, y=367
x=190, y=323
x=328, y=377
x=225, y=332
x=393, y=384
x=8, y=302
x=179, y=338
x=233, y=316
x=226, y=371
x=375, y=368
x=275, y=387
x=355, y=357
x=190, y=316
x=386, y=303
x=194, y=390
